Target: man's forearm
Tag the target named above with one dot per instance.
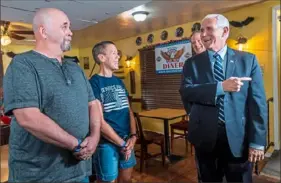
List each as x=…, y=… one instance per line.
x=199, y=93
x=257, y=107
x=45, y=129
x=110, y=134
x=96, y=118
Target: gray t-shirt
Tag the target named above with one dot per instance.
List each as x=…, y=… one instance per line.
x=61, y=92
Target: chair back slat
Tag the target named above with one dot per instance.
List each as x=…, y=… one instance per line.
x=139, y=126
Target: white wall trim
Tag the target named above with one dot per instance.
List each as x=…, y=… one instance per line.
x=275, y=76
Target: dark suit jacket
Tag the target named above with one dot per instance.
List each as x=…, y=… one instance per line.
x=245, y=111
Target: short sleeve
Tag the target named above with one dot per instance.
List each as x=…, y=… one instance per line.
x=91, y=95
x=90, y=92
x=20, y=86
x=95, y=87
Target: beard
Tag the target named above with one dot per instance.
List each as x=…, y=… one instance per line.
x=65, y=45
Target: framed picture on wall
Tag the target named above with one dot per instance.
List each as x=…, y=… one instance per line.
x=86, y=63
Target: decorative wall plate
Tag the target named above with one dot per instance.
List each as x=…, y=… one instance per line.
x=138, y=41
x=179, y=32
x=164, y=35
x=150, y=38
x=196, y=27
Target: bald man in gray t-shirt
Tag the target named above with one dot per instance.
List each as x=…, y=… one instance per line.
x=56, y=120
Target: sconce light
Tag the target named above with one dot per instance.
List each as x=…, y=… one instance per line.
x=140, y=16
x=5, y=40
x=241, y=41
x=128, y=62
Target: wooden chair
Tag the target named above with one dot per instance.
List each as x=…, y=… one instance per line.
x=5, y=133
x=146, y=138
x=180, y=126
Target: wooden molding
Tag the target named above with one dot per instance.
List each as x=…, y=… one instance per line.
x=1, y=70
x=132, y=81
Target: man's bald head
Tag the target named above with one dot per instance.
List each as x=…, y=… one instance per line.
x=52, y=29
x=44, y=17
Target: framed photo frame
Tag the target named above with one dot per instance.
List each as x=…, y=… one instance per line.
x=86, y=63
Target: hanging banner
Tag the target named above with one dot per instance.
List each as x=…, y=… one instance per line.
x=170, y=57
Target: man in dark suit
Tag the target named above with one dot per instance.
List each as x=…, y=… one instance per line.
x=228, y=117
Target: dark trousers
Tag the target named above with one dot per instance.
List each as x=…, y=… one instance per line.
x=213, y=166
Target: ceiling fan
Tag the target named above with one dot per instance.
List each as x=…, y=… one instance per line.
x=7, y=34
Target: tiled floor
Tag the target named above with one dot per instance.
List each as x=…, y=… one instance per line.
x=272, y=168
x=182, y=171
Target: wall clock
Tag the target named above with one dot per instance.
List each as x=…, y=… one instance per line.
x=179, y=32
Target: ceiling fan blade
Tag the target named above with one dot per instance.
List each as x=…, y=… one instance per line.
x=22, y=32
x=5, y=25
x=19, y=26
x=3, y=22
x=15, y=36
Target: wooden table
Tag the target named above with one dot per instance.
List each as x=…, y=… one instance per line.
x=165, y=114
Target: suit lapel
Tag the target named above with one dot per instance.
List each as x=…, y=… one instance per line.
x=230, y=63
x=208, y=67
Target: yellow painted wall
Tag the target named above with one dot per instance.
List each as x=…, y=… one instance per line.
x=259, y=34
x=279, y=67
x=13, y=48
x=87, y=52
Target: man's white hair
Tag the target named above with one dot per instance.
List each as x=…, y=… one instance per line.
x=221, y=20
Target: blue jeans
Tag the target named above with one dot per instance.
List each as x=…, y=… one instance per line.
x=85, y=180
x=108, y=159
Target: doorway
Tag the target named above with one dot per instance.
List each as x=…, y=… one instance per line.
x=276, y=73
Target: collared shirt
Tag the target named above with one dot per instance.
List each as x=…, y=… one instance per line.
x=223, y=55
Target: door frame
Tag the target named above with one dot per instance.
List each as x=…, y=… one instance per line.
x=275, y=76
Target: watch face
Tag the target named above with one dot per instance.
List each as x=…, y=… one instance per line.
x=150, y=38
x=179, y=31
x=164, y=35
x=138, y=41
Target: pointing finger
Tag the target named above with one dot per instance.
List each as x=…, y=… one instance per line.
x=245, y=79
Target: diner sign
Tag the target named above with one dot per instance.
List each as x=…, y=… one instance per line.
x=170, y=57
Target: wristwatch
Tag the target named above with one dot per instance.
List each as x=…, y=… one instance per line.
x=124, y=144
x=134, y=134
x=78, y=147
